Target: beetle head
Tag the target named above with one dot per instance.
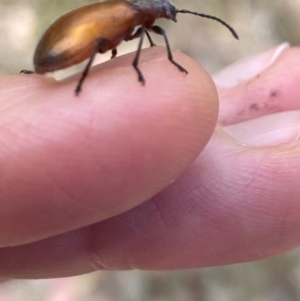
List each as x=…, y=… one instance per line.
x=169, y=10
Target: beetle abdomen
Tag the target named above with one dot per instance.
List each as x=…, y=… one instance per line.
x=73, y=37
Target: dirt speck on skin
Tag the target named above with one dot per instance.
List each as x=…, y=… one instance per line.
x=254, y=106
x=273, y=93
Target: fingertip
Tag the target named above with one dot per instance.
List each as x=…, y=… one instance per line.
x=115, y=82
x=111, y=148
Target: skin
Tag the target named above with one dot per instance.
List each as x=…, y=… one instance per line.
x=87, y=180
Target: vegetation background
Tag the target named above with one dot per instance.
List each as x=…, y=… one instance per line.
x=261, y=24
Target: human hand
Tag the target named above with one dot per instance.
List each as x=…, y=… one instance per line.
x=68, y=163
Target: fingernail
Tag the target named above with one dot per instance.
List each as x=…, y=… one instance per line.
x=246, y=69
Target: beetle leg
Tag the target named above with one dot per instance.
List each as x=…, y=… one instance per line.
x=26, y=71
x=100, y=42
x=138, y=34
x=152, y=44
x=141, y=33
x=160, y=31
x=114, y=53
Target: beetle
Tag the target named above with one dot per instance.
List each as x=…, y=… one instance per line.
x=102, y=26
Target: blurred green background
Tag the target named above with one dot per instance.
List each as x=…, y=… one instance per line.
x=260, y=24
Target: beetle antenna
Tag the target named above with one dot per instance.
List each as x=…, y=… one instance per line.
x=184, y=11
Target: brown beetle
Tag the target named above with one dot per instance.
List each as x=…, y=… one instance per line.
x=102, y=26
